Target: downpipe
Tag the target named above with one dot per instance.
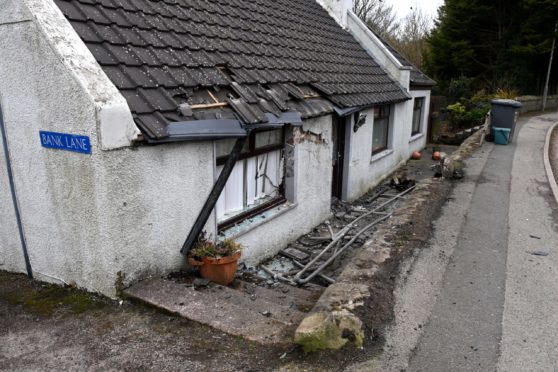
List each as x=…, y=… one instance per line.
x=14, y=195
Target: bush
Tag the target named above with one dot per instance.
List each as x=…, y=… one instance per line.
x=468, y=113
x=460, y=88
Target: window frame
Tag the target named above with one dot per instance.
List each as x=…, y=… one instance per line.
x=381, y=113
x=251, y=152
x=422, y=101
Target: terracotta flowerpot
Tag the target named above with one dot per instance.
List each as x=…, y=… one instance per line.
x=218, y=270
x=416, y=155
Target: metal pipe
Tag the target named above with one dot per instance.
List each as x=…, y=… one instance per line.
x=14, y=196
x=324, y=277
x=301, y=265
x=338, y=252
x=343, y=231
x=278, y=276
x=213, y=196
x=545, y=94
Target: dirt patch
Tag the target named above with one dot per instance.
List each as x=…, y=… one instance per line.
x=49, y=327
x=45, y=327
x=378, y=311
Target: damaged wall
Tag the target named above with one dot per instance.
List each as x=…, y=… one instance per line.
x=312, y=193
x=88, y=219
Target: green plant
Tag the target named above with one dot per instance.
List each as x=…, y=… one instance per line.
x=204, y=247
x=462, y=116
x=460, y=88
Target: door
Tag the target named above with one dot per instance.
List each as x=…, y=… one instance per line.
x=339, y=126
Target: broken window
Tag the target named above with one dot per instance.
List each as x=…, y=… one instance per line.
x=380, y=134
x=417, y=116
x=256, y=182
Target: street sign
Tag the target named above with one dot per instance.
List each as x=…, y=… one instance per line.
x=66, y=142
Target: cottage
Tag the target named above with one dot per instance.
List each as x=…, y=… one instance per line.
x=129, y=125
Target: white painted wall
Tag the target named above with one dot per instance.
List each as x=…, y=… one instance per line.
x=313, y=168
x=365, y=171
x=114, y=122
x=90, y=219
x=87, y=217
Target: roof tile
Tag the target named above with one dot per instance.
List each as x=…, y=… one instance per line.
x=163, y=52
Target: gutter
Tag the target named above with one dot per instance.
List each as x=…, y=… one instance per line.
x=14, y=196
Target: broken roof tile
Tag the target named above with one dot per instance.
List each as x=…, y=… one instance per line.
x=152, y=49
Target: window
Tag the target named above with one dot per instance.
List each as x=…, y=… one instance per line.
x=380, y=134
x=417, y=116
x=256, y=182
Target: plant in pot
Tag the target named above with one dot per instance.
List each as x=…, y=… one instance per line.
x=217, y=262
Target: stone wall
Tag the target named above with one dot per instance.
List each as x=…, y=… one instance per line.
x=534, y=103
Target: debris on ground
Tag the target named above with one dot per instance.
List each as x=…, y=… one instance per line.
x=320, y=256
x=539, y=253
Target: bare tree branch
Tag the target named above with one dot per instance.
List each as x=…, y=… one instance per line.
x=411, y=41
x=378, y=16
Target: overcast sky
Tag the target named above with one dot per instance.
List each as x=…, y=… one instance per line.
x=403, y=6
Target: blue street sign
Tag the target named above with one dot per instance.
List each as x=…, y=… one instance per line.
x=67, y=142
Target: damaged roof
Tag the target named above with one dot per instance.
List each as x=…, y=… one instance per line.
x=251, y=60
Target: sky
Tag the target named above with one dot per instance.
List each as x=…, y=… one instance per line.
x=402, y=7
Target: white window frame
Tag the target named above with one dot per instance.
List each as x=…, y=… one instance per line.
x=256, y=182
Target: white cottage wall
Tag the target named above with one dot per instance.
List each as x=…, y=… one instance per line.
x=365, y=170
x=418, y=141
x=11, y=253
x=313, y=168
x=94, y=220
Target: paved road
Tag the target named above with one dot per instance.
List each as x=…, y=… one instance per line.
x=478, y=298
x=465, y=327
x=497, y=305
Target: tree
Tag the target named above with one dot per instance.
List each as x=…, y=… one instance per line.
x=412, y=39
x=497, y=43
x=378, y=16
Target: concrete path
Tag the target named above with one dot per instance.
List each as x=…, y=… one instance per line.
x=483, y=296
x=530, y=324
x=496, y=307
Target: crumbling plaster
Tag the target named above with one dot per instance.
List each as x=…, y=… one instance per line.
x=312, y=154
x=88, y=219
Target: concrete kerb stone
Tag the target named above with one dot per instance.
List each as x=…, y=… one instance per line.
x=548, y=167
x=333, y=321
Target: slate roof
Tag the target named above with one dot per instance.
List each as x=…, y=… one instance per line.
x=418, y=78
x=258, y=56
